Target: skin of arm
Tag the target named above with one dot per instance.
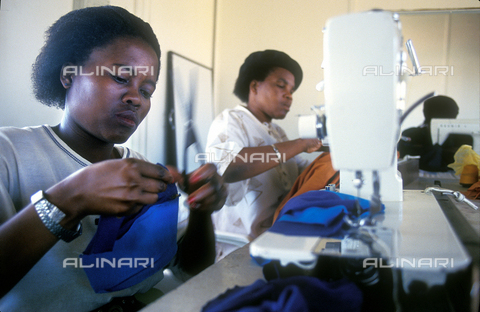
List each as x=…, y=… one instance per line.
x=207, y=193
x=245, y=167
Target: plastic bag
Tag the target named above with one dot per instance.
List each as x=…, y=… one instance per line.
x=465, y=155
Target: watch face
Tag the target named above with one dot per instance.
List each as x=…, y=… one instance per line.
x=56, y=215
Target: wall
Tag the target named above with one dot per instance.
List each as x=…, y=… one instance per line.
x=445, y=42
x=22, y=25
x=395, y=5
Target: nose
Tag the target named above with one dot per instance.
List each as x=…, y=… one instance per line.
x=288, y=93
x=132, y=97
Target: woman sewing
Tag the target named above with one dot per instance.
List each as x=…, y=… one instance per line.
x=254, y=155
x=100, y=65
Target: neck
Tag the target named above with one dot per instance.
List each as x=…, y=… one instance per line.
x=86, y=145
x=262, y=117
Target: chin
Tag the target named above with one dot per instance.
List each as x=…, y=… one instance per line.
x=121, y=138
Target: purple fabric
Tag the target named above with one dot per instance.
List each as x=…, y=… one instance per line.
x=111, y=228
x=126, y=251
x=297, y=294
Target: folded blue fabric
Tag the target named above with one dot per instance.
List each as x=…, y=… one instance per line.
x=125, y=251
x=318, y=213
x=298, y=294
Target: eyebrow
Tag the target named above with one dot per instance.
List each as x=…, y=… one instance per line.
x=152, y=83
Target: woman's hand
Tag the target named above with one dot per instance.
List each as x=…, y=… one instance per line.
x=112, y=187
x=312, y=145
x=206, y=189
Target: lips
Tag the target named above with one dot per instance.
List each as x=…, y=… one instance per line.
x=128, y=118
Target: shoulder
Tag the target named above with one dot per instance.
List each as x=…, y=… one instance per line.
x=416, y=133
x=228, y=118
x=13, y=136
x=237, y=112
x=13, y=132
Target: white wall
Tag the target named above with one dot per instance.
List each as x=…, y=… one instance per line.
x=395, y=5
x=22, y=26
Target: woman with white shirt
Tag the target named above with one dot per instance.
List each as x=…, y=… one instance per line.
x=253, y=154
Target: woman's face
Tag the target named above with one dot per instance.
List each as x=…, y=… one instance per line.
x=273, y=96
x=109, y=96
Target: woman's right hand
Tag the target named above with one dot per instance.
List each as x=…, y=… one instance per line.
x=113, y=187
x=312, y=145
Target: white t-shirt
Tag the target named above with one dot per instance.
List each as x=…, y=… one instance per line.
x=251, y=203
x=32, y=159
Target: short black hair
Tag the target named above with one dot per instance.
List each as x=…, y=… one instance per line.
x=73, y=37
x=258, y=65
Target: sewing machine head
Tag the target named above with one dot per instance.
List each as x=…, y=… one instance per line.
x=440, y=129
x=364, y=96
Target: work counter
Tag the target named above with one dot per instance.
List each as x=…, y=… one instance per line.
x=236, y=269
x=239, y=269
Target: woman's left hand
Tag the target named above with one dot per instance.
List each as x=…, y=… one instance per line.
x=204, y=186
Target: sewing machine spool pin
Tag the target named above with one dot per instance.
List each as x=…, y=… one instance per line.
x=459, y=197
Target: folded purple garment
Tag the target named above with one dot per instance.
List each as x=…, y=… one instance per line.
x=298, y=294
x=318, y=213
x=111, y=228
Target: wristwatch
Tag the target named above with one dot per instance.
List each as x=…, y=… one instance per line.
x=51, y=217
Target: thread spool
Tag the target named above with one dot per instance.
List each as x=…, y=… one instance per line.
x=307, y=126
x=469, y=175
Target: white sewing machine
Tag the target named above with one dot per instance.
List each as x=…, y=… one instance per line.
x=441, y=128
x=364, y=100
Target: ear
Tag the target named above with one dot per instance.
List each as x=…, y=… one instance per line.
x=253, y=87
x=66, y=74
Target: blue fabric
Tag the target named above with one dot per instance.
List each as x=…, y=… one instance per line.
x=148, y=237
x=318, y=213
x=314, y=215
x=297, y=294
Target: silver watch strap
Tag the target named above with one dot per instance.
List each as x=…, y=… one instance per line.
x=279, y=156
x=46, y=211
